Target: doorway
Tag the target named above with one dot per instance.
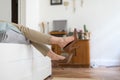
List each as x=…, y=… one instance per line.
x=14, y=11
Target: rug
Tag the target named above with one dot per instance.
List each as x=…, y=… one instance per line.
x=61, y=78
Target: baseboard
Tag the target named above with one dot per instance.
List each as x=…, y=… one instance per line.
x=104, y=62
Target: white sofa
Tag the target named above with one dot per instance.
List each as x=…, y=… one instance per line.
x=22, y=62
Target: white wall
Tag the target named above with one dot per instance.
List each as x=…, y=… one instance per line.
x=102, y=19
x=5, y=10
x=22, y=12
x=32, y=14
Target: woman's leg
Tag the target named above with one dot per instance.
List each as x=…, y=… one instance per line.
x=41, y=48
x=61, y=41
x=47, y=52
x=38, y=37
x=33, y=35
x=55, y=56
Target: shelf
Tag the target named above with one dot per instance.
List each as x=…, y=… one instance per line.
x=57, y=33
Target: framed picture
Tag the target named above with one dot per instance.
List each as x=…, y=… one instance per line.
x=56, y=2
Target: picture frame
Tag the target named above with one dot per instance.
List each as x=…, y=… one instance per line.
x=56, y=2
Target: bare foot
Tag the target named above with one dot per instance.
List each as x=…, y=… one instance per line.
x=54, y=56
x=64, y=41
x=61, y=41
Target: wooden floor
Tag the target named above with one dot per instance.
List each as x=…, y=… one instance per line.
x=101, y=73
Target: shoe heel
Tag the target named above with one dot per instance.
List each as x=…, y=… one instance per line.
x=75, y=34
x=70, y=46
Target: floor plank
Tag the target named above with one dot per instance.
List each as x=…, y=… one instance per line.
x=102, y=73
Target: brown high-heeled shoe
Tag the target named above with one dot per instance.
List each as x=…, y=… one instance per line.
x=70, y=46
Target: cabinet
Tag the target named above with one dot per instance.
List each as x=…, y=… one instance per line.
x=81, y=55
